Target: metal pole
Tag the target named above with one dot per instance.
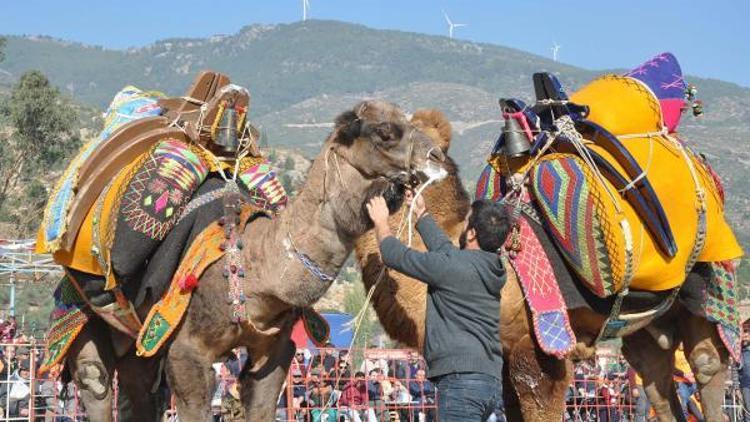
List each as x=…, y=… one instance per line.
x=12, y=294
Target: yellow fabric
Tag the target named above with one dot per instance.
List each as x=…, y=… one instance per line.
x=625, y=106
x=681, y=362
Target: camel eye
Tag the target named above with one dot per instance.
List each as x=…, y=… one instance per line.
x=388, y=132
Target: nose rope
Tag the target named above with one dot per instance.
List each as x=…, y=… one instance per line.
x=418, y=194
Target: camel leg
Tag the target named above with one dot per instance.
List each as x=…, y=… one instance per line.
x=191, y=377
x=260, y=387
x=539, y=380
x=655, y=365
x=708, y=359
x=139, y=398
x=91, y=362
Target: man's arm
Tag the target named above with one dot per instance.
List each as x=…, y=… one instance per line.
x=432, y=235
x=420, y=265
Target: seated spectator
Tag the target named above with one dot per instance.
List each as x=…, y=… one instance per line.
x=17, y=392
x=298, y=363
x=400, y=397
x=343, y=373
x=354, y=397
x=415, y=364
x=326, y=358
x=371, y=362
x=423, y=394
x=320, y=396
x=376, y=411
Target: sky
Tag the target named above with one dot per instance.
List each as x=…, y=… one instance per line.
x=710, y=38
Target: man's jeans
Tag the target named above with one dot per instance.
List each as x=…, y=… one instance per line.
x=746, y=404
x=467, y=397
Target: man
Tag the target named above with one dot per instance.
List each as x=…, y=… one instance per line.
x=375, y=403
x=462, y=340
x=423, y=393
x=353, y=397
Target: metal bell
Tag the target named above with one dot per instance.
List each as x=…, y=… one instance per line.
x=516, y=143
x=226, y=133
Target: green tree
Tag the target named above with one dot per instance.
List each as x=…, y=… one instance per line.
x=43, y=133
x=2, y=49
x=289, y=163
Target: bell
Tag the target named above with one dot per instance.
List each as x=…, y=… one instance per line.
x=515, y=141
x=226, y=134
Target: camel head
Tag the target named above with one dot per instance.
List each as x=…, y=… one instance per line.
x=380, y=142
x=387, y=150
x=434, y=123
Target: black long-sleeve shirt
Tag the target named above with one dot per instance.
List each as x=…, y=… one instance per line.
x=463, y=303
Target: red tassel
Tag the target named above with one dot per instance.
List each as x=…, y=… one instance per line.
x=189, y=282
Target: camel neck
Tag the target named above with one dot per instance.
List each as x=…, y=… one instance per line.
x=314, y=236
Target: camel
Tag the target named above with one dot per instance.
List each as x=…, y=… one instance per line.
x=535, y=383
x=372, y=150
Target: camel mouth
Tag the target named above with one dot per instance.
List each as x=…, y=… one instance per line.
x=431, y=172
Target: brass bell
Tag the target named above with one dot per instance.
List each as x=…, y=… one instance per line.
x=226, y=134
x=516, y=143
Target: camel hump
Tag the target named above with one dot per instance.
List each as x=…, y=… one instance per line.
x=437, y=126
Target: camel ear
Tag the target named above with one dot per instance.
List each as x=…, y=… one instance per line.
x=348, y=127
x=434, y=123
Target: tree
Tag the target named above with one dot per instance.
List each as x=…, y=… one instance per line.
x=2, y=49
x=43, y=132
x=289, y=163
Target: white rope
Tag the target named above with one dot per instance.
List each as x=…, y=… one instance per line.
x=645, y=171
x=359, y=318
x=418, y=194
x=565, y=123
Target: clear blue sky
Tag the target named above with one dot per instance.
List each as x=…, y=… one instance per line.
x=711, y=37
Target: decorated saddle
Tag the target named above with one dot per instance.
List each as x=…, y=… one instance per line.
x=627, y=203
x=130, y=187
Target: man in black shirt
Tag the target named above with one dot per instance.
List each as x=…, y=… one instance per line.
x=462, y=341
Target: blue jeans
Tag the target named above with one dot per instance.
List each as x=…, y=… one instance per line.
x=468, y=397
x=746, y=404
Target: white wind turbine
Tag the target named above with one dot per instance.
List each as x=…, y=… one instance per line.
x=305, y=6
x=452, y=25
x=555, y=50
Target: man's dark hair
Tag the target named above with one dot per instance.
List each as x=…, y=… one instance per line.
x=359, y=374
x=491, y=223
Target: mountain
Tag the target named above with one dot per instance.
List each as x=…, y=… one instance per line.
x=302, y=75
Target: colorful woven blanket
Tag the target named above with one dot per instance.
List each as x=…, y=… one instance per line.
x=720, y=306
x=128, y=105
x=68, y=319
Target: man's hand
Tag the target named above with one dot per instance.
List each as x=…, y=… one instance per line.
x=417, y=203
x=378, y=211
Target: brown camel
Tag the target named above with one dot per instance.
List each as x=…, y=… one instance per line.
x=535, y=383
x=372, y=149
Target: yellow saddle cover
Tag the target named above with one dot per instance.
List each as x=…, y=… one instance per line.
x=627, y=108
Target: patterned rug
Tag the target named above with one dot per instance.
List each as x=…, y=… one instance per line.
x=68, y=319
x=580, y=222
x=721, y=306
x=537, y=278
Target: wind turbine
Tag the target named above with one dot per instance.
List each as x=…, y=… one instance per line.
x=305, y=6
x=452, y=25
x=555, y=49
